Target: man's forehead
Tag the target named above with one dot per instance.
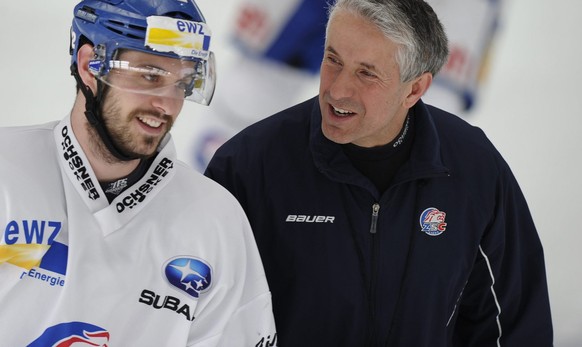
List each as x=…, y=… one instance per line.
x=355, y=39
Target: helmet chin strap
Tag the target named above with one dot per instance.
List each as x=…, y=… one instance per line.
x=93, y=114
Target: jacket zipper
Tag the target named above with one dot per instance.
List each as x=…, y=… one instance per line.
x=373, y=276
x=375, y=210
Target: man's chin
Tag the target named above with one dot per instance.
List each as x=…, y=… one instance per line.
x=145, y=154
x=334, y=135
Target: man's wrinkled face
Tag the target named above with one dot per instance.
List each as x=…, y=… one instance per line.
x=361, y=96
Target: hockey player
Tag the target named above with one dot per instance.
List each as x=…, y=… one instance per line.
x=383, y=221
x=106, y=238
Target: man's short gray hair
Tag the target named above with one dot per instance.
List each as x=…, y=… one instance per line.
x=412, y=25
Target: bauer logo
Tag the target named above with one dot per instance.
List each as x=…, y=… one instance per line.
x=72, y=334
x=190, y=275
x=432, y=221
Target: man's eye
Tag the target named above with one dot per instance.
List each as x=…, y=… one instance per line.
x=151, y=77
x=332, y=60
x=367, y=73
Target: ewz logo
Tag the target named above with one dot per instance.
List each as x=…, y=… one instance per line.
x=24, y=243
x=72, y=334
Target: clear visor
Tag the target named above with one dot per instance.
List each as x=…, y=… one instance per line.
x=149, y=74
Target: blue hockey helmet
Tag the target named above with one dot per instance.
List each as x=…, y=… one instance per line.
x=169, y=28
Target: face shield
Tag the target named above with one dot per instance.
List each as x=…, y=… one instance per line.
x=176, y=62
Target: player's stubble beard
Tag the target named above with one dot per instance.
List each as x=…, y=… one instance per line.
x=119, y=129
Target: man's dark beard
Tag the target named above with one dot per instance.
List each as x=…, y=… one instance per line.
x=119, y=136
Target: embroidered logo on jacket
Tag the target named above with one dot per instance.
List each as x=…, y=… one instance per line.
x=432, y=221
x=301, y=218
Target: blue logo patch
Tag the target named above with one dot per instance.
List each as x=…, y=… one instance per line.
x=188, y=274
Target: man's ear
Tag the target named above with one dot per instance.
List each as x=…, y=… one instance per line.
x=418, y=87
x=84, y=56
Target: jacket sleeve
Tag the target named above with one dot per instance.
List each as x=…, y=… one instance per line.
x=505, y=301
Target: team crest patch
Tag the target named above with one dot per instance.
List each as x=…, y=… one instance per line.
x=72, y=334
x=432, y=221
x=188, y=274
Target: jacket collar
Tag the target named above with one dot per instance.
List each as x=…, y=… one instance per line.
x=425, y=160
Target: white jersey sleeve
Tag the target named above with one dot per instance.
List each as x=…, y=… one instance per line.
x=251, y=320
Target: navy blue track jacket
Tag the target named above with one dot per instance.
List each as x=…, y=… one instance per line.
x=447, y=256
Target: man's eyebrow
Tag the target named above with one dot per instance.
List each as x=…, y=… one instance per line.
x=368, y=66
x=330, y=49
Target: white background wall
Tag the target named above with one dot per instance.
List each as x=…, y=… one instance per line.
x=530, y=107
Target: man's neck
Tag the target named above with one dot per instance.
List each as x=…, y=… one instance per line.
x=110, y=171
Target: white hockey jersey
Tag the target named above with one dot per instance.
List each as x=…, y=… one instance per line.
x=170, y=262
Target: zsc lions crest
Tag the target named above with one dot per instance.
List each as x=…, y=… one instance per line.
x=432, y=221
x=188, y=274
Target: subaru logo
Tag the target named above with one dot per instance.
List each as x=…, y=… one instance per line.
x=190, y=275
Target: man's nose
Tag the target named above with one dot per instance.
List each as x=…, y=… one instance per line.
x=342, y=85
